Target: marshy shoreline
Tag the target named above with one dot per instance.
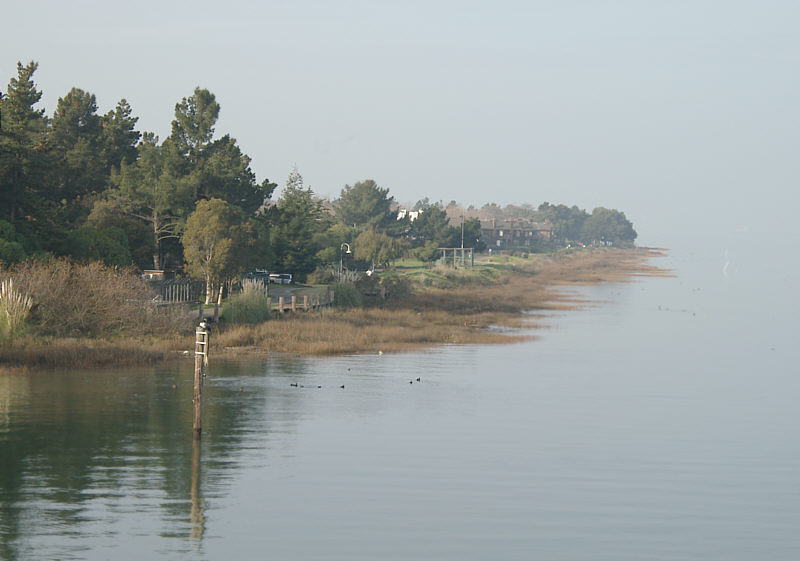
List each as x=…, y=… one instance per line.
x=455, y=307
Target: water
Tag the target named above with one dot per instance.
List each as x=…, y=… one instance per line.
x=657, y=423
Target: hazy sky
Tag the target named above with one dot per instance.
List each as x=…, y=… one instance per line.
x=666, y=110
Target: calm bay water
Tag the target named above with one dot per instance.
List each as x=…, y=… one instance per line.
x=657, y=423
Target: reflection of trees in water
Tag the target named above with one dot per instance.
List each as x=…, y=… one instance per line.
x=75, y=439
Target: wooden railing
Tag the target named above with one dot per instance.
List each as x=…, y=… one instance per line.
x=305, y=302
x=178, y=290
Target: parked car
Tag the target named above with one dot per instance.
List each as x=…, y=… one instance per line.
x=259, y=274
x=280, y=278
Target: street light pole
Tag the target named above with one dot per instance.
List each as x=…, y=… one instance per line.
x=341, y=258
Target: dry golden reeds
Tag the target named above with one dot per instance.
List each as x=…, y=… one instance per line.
x=84, y=353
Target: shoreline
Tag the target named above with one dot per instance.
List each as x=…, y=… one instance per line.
x=428, y=317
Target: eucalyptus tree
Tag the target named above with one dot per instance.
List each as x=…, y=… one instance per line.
x=208, y=241
x=377, y=248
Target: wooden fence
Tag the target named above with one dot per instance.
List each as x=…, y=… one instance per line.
x=188, y=291
x=178, y=290
x=306, y=302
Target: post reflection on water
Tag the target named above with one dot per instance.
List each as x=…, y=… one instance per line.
x=197, y=522
x=106, y=460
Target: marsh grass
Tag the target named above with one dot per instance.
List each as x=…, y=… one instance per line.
x=469, y=311
x=359, y=330
x=346, y=295
x=250, y=305
x=463, y=315
x=52, y=352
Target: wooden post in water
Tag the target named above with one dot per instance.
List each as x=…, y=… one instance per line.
x=200, y=362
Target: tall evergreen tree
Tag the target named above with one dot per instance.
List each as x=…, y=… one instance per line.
x=193, y=126
x=24, y=151
x=75, y=138
x=213, y=168
x=150, y=191
x=295, y=223
x=119, y=135
x=227, y=175
x=365, y=205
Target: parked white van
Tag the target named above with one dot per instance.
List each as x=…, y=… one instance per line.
x=283, y=278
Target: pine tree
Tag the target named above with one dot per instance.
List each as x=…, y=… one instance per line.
x=24, y=151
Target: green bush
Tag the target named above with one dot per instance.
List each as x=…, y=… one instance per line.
x=346, y=295
x=322, y=276
x=11, y=251
x=109, y=245
x=249, y=306
x=396, y=287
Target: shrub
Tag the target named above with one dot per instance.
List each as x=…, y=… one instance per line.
x=346, y=295
x=91, y=299
x=11, y=252
x=322, y=276
x=250, y=305
x=109, y=245
x=396, y=287
x=14, y=309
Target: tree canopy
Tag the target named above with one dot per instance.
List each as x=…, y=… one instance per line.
x=91, y=186
x=365, y=204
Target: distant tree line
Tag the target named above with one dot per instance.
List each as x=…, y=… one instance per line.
x=92, y=187
x=569, y=224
